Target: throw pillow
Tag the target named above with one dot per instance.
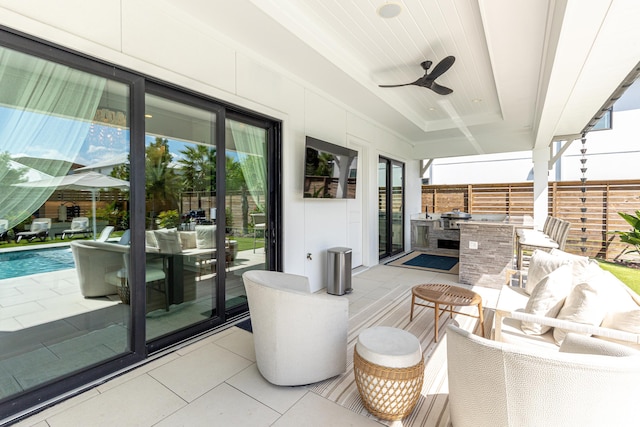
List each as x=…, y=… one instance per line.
x=168, y=241
x=187, y=239
x=583, y=267
x=541, y=264
x=151, y=241
x=583, y=305
x=581, y=344
x=205, y=236
x=547, y=299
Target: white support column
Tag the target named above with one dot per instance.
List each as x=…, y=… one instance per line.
x=541, y=158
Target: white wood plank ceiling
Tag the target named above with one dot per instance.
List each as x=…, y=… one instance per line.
x=525, y=70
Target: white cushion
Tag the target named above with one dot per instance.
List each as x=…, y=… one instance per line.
x=547, y=298
x=205, y=236
x=615, y=295
x=187, y=239
x=628, y=321
x=539, y=240
x=37, y=226
x=79, y=223
x=583, y=305
x=150, y=238
x=583, y=267
x=581, y=344
x=542, y=263
x=389, y=347
x=168, y=241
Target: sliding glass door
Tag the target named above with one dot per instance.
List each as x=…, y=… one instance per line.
x=63, y=134
x=181, y=232
x=129, y=210
x=390, y=207
x=207, y=211
x=246, y=205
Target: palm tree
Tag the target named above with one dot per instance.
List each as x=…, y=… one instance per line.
x=198, y=170
x=162, y=182
x=236, y=182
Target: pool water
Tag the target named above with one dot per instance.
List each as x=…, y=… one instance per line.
x=24, y=263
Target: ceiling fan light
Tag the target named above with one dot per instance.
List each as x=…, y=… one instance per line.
x=389, y=10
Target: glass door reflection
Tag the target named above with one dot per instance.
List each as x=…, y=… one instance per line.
x=245, y=206
x=181, y=232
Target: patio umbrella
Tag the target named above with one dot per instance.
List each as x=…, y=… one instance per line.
x=87, y=181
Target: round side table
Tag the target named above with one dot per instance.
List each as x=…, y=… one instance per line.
x=447, y=296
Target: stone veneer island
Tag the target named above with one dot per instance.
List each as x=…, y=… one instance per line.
x=487, y=248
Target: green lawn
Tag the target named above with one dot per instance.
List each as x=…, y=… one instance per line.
x=246, y=243
x=630, y=276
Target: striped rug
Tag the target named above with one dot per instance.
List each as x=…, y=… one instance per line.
x=393, y=310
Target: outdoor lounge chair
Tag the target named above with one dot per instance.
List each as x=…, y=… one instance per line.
x=106, y=232
x=4, y=230
x=79, y=225
x=39, y=230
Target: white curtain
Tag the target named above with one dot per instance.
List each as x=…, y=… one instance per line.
x=45, y=114
x=251, y=143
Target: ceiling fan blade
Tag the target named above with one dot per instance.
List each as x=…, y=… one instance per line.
x=404, y=84
x=441, y=68
x=440, y=90
x=417, y=82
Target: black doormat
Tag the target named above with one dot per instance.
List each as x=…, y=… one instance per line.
x=426, y=261
x=246, y=325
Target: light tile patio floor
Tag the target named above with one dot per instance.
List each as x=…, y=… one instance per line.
x=214, y=381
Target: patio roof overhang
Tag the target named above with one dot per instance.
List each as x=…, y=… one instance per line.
x=525, y=72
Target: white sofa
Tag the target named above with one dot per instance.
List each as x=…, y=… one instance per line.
x=299, y=337
x=497, y=384
x=565, y=292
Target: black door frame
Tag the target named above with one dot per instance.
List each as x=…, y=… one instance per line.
x=388, y=250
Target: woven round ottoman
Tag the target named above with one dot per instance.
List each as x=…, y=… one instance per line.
x=389, y=370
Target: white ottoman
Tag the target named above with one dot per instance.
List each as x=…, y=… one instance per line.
x=389, y=370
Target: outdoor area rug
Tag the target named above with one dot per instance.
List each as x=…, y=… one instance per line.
x=246, y=325
x=426, y=261
x=393, y=310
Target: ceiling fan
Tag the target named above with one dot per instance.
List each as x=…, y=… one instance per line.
x=428, y=80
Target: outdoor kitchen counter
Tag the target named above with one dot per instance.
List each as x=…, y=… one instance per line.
x=487, y=248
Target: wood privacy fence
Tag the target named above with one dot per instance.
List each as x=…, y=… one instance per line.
x=603, y=201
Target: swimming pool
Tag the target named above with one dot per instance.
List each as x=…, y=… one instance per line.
x=24, y=263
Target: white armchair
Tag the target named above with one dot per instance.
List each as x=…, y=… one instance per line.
x=499, y=384
x=299, y=337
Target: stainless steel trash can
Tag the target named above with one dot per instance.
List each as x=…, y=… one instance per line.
x=339, y=271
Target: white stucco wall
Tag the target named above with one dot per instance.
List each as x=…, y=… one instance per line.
x=156, y=39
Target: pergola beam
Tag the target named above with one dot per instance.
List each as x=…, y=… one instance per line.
x=425, y=165
x=568, y=141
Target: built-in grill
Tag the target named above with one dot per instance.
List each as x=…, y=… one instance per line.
x=451, y=220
